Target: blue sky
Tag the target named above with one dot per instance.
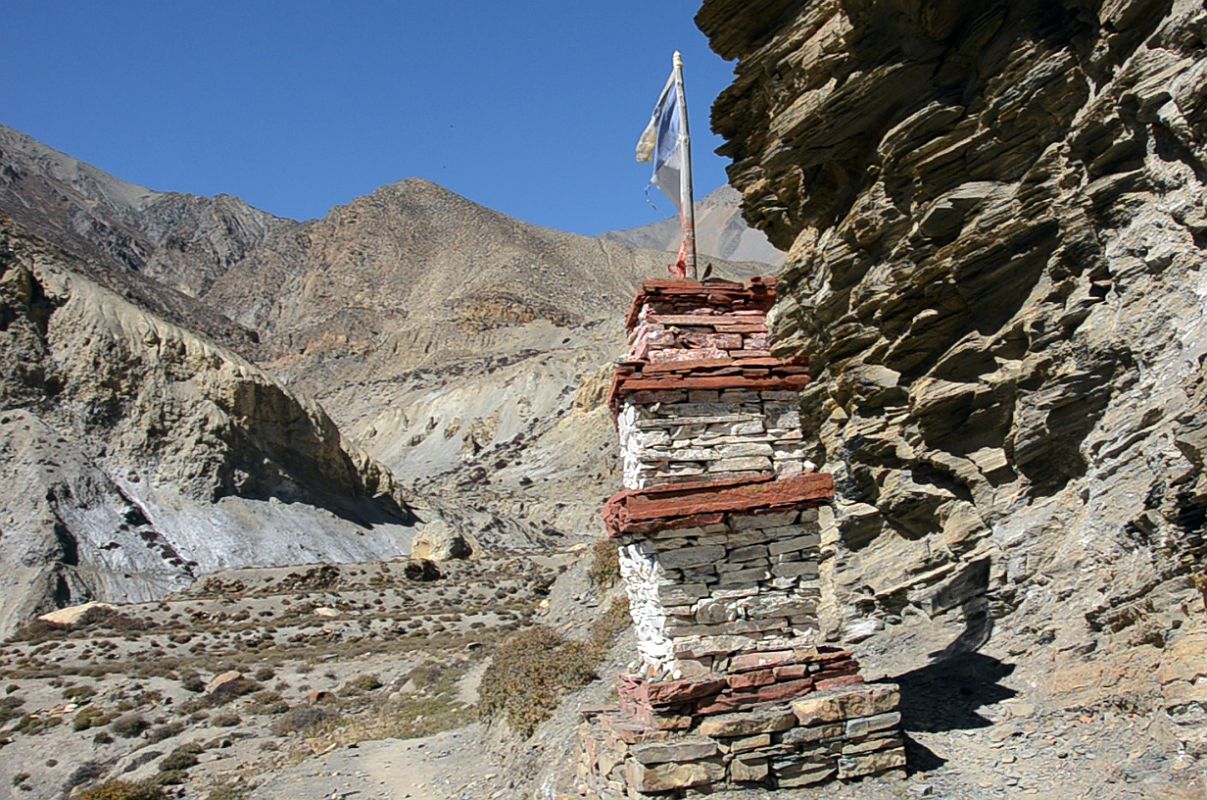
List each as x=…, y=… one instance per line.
x=531, y=107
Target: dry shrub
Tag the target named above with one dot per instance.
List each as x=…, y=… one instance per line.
x=78, y=694
x=9, y=708
x=361, y=684
x=34, y=724
x=179, y=759
x=111, y=619
x=301, y=720
x=38, y=631
x=225, y=719
x=231, y=690
x=192, y=682
x=267, y=702
x=91, y=717
x=529, y=674
x=124, y=790
x=605, y=629
x=85, y=773
x=230, y=791
x=604, y=571
x=129, y=725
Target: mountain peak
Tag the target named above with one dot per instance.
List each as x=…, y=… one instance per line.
x=721, y=232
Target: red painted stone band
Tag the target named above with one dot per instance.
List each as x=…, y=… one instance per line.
x=645, y=511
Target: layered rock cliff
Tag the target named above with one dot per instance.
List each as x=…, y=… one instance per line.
x=138, y=455
x=995, y=215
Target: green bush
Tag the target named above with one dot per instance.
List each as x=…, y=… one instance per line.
x=530, y=672
x=90, y=717
x=124, y=790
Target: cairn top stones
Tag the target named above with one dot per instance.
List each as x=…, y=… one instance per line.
x=690, y=336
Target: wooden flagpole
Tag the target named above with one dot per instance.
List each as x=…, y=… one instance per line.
x=685, y=177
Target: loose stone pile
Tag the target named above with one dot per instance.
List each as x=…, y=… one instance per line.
x=719, y=551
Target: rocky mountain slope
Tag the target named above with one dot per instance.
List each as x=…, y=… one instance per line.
x=455, y=342
x=459, y=346
x=139, y=455
x=721, y=232
x=183, y=241
x=995, y=217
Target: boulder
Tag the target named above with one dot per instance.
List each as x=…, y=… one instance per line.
x=71, y=615
x=215, y=685
x=438, y=541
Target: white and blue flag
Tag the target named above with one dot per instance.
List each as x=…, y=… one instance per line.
x=662, y=144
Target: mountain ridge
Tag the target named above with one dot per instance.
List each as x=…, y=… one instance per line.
x=439, y=333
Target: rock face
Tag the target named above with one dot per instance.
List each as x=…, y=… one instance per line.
x=139, y=455
x=995, y=214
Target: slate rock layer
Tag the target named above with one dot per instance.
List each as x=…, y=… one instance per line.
x=995, y=215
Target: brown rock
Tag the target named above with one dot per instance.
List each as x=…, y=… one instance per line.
x=687, y=749
x=747, y=724
x=748, y=770
x=871, y=764
x=838, y=706
x=671, y=776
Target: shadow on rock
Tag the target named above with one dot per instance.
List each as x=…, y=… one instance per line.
x=920, y=758
x=946, y=694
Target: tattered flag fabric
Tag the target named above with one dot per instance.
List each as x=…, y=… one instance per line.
x=660, y=143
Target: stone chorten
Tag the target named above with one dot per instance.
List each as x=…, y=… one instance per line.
x=719, y=543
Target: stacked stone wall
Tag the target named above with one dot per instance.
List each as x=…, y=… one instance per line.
x=701, y=594
x=681, y=436
x=847, y=732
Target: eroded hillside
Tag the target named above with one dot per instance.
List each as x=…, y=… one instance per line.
x=139, y=455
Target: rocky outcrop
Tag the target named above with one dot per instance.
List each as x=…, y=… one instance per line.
x=143, y=455
x=995, y=214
